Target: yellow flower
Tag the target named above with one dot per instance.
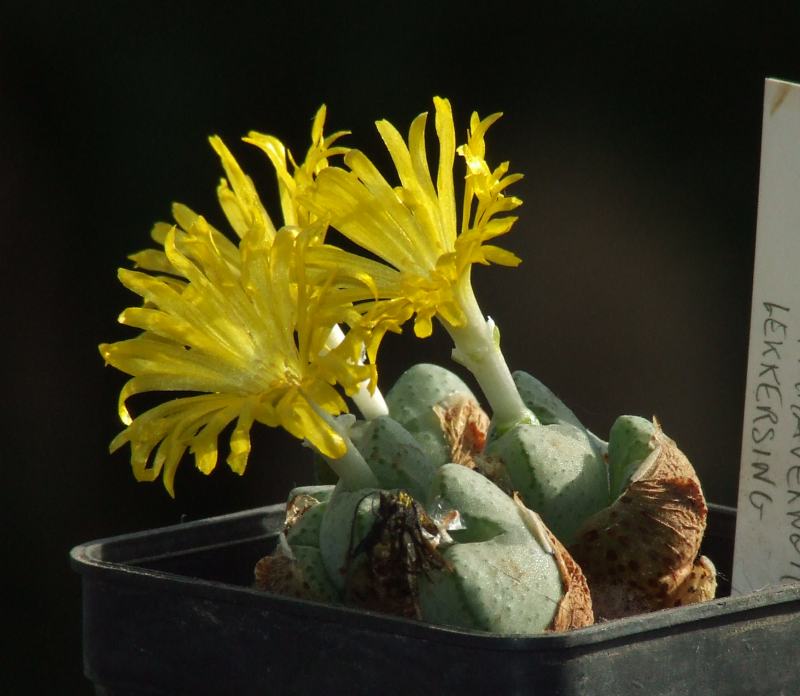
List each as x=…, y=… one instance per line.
x=240, y=323
x=292, y=186
x=413, y=227
x=240, y=201
x=251, y=340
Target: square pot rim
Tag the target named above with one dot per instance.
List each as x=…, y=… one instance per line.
x=114, y=560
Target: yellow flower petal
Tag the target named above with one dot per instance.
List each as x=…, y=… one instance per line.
x=240, y=439
x=412, y=227
x=204, y=443
x=301, y=420
x=247, y=337
x=292, y=185
x=240, y=202
x=502, y=257
x=445, y=129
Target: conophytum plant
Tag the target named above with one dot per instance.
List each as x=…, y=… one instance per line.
x=516, y=522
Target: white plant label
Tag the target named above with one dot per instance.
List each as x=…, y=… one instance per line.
x=767, y=549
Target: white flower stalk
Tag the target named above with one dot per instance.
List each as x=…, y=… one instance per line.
x=370, y=403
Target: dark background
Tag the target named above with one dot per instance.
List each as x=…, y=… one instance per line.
x=638, y=130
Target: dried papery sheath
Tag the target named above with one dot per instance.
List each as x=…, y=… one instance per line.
x=638, y=553
x=465, y=426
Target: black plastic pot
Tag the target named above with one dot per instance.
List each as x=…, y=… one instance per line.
x=169, y=611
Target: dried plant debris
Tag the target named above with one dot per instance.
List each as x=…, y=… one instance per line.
x=464, y=425
x=292, y=576
x=700, y=585
x=295, y=568
x=297, y=506
x=639, y=553
x=401, y=546
x=575, y=606
x=279, y=574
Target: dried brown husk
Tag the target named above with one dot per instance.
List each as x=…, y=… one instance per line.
x=465, y=426
x=279, y=572
x=298, y=506
x=283, y=575
x=575, y=608
x=639, y=553
x=700, y=585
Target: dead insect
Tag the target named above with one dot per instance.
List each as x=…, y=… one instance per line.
x=400, y=546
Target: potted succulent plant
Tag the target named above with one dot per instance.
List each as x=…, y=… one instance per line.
x=451, y=547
